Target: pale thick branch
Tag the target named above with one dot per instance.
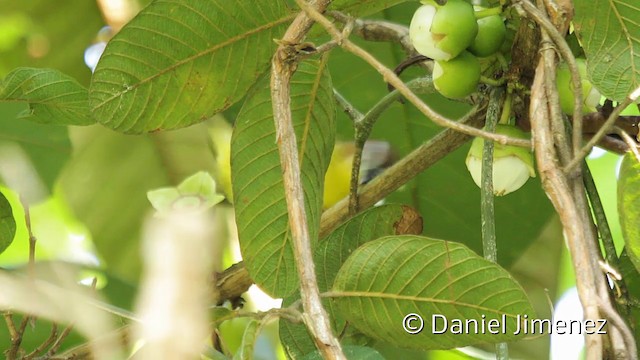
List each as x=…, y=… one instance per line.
x=282, y=68
x=563, y=16
x=559, y=191
x=567, y=193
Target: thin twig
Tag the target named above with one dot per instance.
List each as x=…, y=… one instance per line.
x=283, y=66
x=488, y=219
x=67, y=330
x=396, y=82
x=85, y=351
x=364, y=126
x=378, y=30
x=15, y=334
x=12, y=352
x=633, y=146
x=601, y=218
x=346, y=106
x=32, y=238
x=52, y=337
x=620, y=325
x=403, y=171
x=56, y=345
x=585, y=150
x=612, y=144
x=489, y=247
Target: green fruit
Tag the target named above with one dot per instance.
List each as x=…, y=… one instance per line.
x=457, y=78
x=590, y=95
x=443, y=32
x=491, y=35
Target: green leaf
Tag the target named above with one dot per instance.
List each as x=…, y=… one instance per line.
x=245, y=352
x=7, y=223
x=259, y=197
x=44, y=148
x=610, y=35
x=351, y=353
x=332, y=252
x=372, y=224
x=179, y=62
x=219, y=314
x=196, y=193
x=387, y=279
x=53, y=97
x=631, y=278
x=363, y=7
x=629, y=206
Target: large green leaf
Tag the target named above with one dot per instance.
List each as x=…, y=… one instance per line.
x=631, y=278
x=362, y=7
x=53, y=97
x=46, y=148
x=610, y=34
x=258, y=192
x=387, y=279
x=444, y=194
x=629, y=206
x=7, y=223
x=179, y=62
x=329, y=256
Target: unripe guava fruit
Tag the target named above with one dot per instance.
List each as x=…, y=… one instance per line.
x=443, y=32
x=458, y=77
x=491, y=35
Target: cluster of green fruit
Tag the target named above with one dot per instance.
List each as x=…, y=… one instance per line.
x=453, y=36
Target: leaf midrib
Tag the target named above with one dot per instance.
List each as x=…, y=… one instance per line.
x=379, y=295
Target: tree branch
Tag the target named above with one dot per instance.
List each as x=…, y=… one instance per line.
x=282, y=68
x=566, y=192
x=364, y=125
x=403, y=171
